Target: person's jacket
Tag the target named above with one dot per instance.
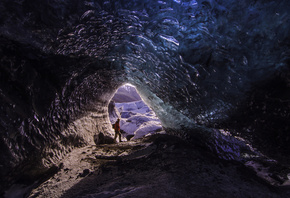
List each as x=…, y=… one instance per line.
x=117, y=126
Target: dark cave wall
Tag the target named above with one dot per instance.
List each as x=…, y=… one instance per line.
x=206, y=63
x=49, y=105
x=263, y=117
x=207, y=53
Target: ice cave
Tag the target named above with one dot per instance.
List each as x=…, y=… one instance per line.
x=137, y=119
x=215, y=72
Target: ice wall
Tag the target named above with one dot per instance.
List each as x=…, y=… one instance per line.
x=193, y=61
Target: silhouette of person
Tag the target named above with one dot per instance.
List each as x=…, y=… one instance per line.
x=117, y=130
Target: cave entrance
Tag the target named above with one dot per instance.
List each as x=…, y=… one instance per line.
x=137, y=119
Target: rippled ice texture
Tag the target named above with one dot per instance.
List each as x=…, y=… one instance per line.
x=192, y=61
x=205, y=54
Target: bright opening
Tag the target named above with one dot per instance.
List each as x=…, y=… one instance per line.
x=136, y=118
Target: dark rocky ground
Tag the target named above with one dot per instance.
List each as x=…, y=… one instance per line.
x=155, y=166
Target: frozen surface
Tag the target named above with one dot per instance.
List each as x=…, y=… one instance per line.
x=138, y=119
x=150, y=127
x=210, y=63
x=126, y=93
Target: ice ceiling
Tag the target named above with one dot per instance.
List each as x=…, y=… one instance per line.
x=215, y=63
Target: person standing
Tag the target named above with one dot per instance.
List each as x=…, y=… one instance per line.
x=117, y=130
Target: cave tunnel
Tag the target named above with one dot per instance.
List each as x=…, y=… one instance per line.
x=210, y=69
x=136, y=118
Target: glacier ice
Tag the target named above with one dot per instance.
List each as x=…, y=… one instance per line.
x=136, y=118
x=194, y=62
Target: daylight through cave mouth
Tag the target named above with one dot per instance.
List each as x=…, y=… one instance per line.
x=137, y=119
x=206, y=67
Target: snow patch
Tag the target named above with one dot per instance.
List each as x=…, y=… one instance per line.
x=137, y=119
x=146, y=128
